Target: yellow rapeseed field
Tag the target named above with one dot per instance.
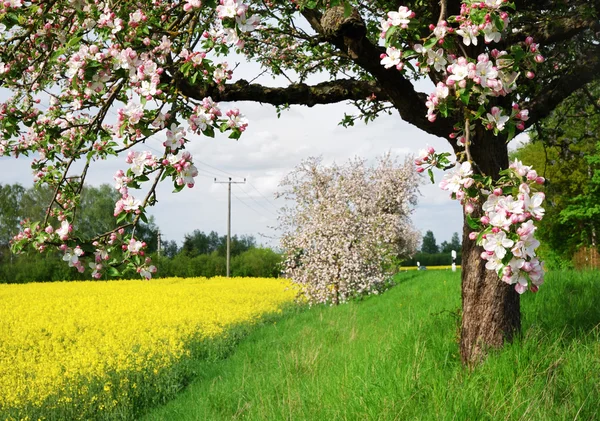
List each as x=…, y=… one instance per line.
x=79, y=349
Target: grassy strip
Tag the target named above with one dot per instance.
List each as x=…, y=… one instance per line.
x=447, y=267
x=395, y=357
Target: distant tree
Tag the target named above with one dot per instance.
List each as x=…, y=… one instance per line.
x=11, y=196
x=169, y=249
x=198, y=243
x=148, y=233
x=97, y=210
x=257, y=261
x=454, y=244
x=238, y=245
x=429, y=245
x=346, y=226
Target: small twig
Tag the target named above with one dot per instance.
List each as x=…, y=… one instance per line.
x=442, y=10
x=593, y=101
x=259, y=75
x=150, y=193
x=468, y=139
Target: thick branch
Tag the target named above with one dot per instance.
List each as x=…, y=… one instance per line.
x=555, y=92
x=348, y=37
x=302, y=94
x=548, y=31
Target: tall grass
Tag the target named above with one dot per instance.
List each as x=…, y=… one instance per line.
x=395, y=357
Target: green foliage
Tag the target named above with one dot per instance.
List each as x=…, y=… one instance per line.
x=565, y=150
x=10, y=211
x=35, y=267
x=255, y=262
x=436, y=259
x=396, y=357
x=454, y=244
x=198, y=243
x=429, y=245
x=94, y=216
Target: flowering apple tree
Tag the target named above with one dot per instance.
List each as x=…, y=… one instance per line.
x=69, y=65
x=346, y=226
x=82, y=81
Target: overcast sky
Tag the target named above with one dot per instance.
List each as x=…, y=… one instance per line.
x=268, y=150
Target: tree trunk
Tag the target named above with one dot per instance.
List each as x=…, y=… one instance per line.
x=491, y=312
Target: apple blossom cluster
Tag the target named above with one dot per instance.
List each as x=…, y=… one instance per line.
x=464, y=82
x=468, y=87
x=346, y=226
x=72, y=66
x=506, y=227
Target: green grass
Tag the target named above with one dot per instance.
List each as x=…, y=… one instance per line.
x=395, y=357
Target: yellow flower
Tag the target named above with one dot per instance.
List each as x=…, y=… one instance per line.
x=82, y=344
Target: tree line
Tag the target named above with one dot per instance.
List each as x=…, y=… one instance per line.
x=432, y=254
x=201, y=254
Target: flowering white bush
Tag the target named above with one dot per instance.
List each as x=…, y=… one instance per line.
x=346, y=226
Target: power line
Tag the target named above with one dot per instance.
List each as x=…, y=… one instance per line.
x=208, y=172
x=257, y=202
x=215, y=168
x=249, y=207
x=261, y=195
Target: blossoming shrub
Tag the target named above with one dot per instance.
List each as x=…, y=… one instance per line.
x=96, y=350
x=346, y=227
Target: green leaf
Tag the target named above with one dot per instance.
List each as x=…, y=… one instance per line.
x=235, y=134
x=480, y=112
x=517, y=52
x=478, y=16
x=473, y=223
x=122, y=216
x=511, y=132
x=410, y=66
x=74, y=41
x=480, y=237
x=430, y=43
x=209, y=131
x=465, y=96
x=498, y=22
x=430, y=172
x=112, y=271
x=389, y=34
x=347, y=9
x=443, y=108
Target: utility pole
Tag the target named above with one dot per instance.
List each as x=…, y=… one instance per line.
x=158, y=240
x=229, y=183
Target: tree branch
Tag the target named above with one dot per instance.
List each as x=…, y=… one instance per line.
x=300, y=93
x=547, y=31
x=556, y=91
x=347, y=35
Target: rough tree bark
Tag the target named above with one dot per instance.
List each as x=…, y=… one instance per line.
x=491, y=312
